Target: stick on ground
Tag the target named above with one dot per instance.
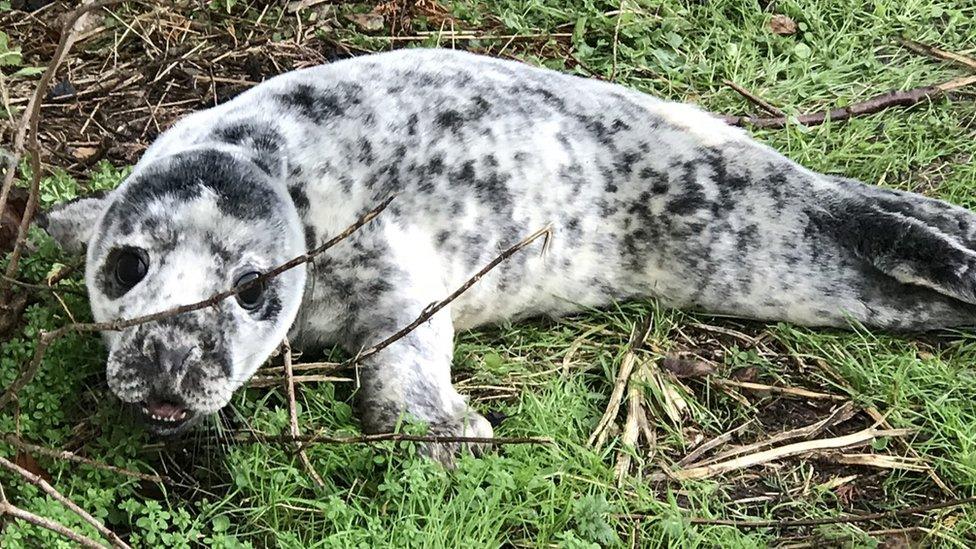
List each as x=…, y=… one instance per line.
x=6, y=509
x=51, y=491
x=788, y=450
x=754, y=99
x=839, y=415
x=875, y=104
x=939, y=53
x=865, y=517
x=602, y=430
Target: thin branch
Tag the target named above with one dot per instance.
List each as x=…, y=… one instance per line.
x=65, y=455
x=270, y=381
x=755, y=99
x=780, y=452
x=847, y=519
x=776, y=390
x=41, y=287
x=293, y=413
x=839, y=415
x=27, y=127
x=47, y=338
x=875, y=104
x=706, y=446
x=433, y=308
x=51, y=491
x=306, y=440
x=938, y=53
x=6, y=509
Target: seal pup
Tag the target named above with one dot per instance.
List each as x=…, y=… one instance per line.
x=646, y=199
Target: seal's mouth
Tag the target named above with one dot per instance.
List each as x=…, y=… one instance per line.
x=166, y=416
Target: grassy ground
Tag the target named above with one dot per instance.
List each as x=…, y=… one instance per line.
x=550, y=378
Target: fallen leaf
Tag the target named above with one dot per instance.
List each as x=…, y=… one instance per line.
x=898, y=540
x=369, y=22
x=28, y=462
x=782, y=25
x=11, y=308
x=749, y=373
x=10, y=218
x=686, y=367
x=62, y=90
x=82, y=154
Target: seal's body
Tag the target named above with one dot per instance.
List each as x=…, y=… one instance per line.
x=645, y=198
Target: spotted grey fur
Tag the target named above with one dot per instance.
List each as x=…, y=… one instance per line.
x=646, y=199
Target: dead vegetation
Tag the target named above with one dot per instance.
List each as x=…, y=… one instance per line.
x=143, y=66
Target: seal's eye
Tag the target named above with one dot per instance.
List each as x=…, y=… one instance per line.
x=252, y=297
x=130, y=267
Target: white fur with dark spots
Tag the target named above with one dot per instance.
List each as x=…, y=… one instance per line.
x=646, y=199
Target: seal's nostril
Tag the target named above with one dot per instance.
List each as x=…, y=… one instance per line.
x=149, y=348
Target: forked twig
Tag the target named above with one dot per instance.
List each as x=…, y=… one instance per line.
x=51, y=491
x=6, y=509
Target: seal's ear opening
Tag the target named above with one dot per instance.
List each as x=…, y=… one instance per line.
x=71, y=223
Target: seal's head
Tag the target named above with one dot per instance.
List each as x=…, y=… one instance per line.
x=180, y=229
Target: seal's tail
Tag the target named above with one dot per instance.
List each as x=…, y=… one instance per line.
x=913, y=239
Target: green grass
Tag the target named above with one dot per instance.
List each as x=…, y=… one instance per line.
x=567, y=494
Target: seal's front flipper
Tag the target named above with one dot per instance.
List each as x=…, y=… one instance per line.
x=902, y=246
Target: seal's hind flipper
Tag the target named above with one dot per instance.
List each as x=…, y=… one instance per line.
x=902, y=245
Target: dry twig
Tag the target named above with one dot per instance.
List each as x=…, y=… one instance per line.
x=602, y=430
x=6, y=509
x=271, y=381
x=848, y=519
x=839, y=415
x=433, y=308
x=21, y=444
x=635, y=425
x=306, y=440
x=781, y=452
x=775, y=390
x=47, y=338
x=879, y=461
x=26, y=140
x=706, y=446
x=875, y=104
x=938, y=53
x=755, y=99
x=293, y=414
x=51, y=491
